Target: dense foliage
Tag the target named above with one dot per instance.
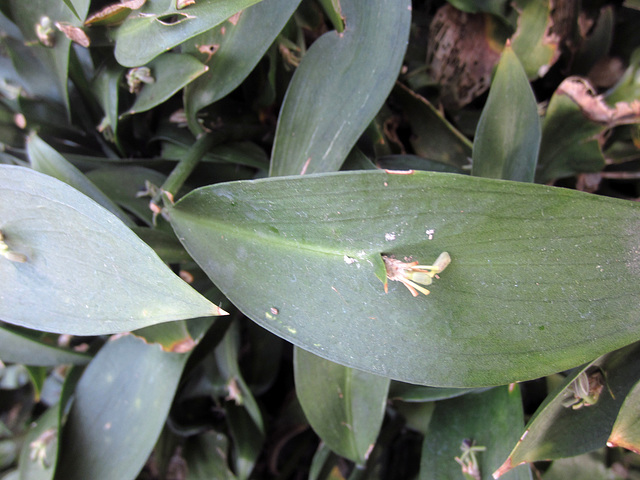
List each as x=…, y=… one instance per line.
x=319, y=239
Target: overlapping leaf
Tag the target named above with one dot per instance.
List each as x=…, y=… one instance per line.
x=508, y=134
x=85, y=273
x=160, y=26
x=119, y=409
x=534, y=285
x=344, y=406
x=339, y=86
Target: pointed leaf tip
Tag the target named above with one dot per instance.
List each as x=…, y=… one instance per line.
x=87, y=273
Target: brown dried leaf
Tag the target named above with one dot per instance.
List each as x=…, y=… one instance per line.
x=75, y=34
x=114, y=13
x=461, y=55
x=594, y=106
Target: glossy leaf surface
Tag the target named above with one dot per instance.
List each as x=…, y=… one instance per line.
x=86, y=273
x=339, y=86
x=533, y=287
x=344, y=406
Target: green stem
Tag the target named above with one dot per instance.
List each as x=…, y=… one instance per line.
x=357, y=473
x=185, y=167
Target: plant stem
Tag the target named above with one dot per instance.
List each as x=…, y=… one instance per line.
x=185, y=167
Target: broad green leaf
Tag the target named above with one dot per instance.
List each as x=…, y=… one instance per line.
x=626, y=429
x=171, y=72
x=120, y=406
x=507, y=138
x=492, y=419
x=535, y=46
x=434, y=137
x=45, y=159
x=86, y=273
x=240, y=46
x=558, y=431
x=340, y=85
x=19, y=345
x=534, y=286
x=344, y=406
x=160, y=26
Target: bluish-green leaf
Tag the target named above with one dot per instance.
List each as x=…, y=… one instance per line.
x=541, y=279
x=508, y=134
x=339, y=86
x=344, y=406
x=18, y=345
x=85, y=273
x=120, y=406
x=45, y=159
x=159, y=26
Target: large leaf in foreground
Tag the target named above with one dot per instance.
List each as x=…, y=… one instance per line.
x=86, y=273
x=542, y=278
